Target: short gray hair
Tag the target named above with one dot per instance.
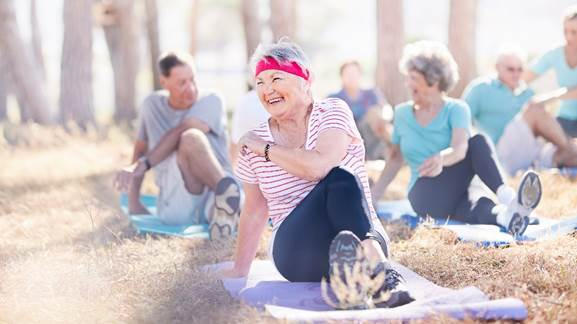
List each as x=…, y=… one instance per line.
x=433, y=60
x=508, y=50
x=570, y=13
x=284, y=51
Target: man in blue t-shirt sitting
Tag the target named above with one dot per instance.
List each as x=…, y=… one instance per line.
x=524, y=133
x=370, y=110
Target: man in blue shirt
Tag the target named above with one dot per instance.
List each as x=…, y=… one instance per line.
x=524, y=133
x=369, y=109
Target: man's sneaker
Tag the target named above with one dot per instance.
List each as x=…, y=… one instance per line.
x=394, y=286
x=516, y=215
x=226, y=209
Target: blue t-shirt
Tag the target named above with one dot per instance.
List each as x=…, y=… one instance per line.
x=566, y=77
x=417, y=142
x=367, y=98
x=493, y=104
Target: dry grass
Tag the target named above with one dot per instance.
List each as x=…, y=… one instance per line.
x=67, y=255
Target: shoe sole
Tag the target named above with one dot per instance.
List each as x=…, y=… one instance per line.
x=226, y=209
x=343, y=252
x=518, y=225
x=530, y=190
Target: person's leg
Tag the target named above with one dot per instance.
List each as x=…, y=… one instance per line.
x=197, y=162
x=569, y=126
x=481, y=211
x=543, y=124
x=302, y=241
x=484, y=162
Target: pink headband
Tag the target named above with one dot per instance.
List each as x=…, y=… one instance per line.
x=268, y=63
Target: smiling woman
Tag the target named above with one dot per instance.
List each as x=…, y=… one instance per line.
x=304, y=169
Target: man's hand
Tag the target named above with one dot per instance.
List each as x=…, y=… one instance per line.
x=252, y=142
x=125, y=176
x=432, y=166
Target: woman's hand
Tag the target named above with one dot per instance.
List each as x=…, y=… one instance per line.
x=252, y=142
x=231, y=273
x=432, y=167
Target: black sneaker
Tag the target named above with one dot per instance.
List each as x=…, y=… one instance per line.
x=394, y=284
x=224, y=220
x=344, y=252
x=347, y=264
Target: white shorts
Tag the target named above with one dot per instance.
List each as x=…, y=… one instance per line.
x=519, y=149
x=177, y=206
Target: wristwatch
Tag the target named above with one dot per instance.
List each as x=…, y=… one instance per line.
x=146, y=162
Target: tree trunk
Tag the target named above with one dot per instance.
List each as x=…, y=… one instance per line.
x=463, y=40
x=3, y=90
x=25, y=79
x=118, y=21
x=76, y=98
x=283, y=16
x=153, y=41
x=37, y=39
x=251, y=26
x=193, y=47
x=390, y=42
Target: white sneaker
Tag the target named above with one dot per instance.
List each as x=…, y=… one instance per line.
x=224, y=221
x=516, y=216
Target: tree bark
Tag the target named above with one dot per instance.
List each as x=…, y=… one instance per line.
x=251, y=26
x=3, y=90
x=37, y=39
x=283, y=17
x=193, y=46
x=463, y=41
x=76, y=97
x=118, y=21
x=24, y=74
x=153, y=41
x=390, y=42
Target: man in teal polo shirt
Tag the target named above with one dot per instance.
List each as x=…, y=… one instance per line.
x=524, y=133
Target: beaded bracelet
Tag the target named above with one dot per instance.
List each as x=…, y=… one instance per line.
x=266, y=150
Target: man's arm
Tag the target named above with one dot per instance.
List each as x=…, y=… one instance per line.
x=134, y=205
x=169, y=141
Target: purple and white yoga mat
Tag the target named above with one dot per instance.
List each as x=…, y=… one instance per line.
x=266, y=288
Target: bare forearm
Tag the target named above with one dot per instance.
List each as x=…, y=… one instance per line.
x=389, y=174
x=167, y=144
x=305, y=164
x=250, y=232
x=453, y=155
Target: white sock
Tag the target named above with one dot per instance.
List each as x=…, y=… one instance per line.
x=505, y=194
x=503, y=215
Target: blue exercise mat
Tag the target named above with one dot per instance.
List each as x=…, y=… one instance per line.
x=483, y=235
x=152, y=223
x=570, y=172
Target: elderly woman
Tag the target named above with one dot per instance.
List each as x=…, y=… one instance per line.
x=304, y=169
x=432, y=133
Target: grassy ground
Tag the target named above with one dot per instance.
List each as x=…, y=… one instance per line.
x=67, y=255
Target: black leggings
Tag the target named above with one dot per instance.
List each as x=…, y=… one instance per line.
x=301, y=244
x=446, y=195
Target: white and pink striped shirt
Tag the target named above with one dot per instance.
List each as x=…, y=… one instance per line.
x=284, y=191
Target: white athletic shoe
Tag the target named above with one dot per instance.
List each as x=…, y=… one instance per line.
x=224, y=220
x=516, y=215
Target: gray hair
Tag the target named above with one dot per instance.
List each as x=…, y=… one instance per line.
x=570, y=13
x=433, y=60
x=284, y=51
x=508, y=50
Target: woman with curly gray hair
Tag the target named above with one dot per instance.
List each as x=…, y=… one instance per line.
x=432, y=133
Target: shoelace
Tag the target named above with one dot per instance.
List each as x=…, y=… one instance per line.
x=392, y=279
